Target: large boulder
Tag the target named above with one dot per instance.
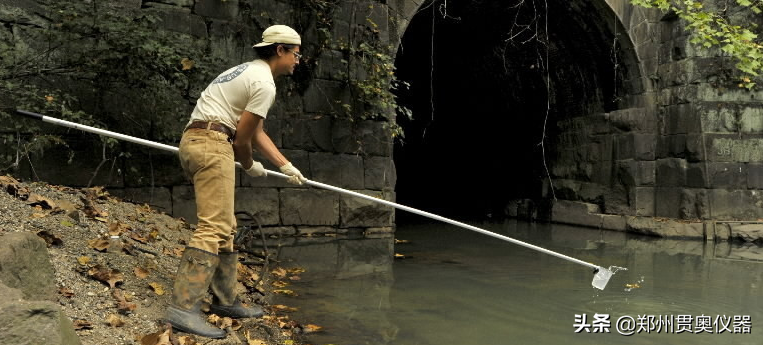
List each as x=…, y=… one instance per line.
x=25, y=265
x=28, y=311
x=33, y=322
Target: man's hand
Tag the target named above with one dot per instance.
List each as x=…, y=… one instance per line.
x=295, y=176
x=256, y=170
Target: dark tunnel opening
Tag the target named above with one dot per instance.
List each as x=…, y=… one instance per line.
x=474, y=142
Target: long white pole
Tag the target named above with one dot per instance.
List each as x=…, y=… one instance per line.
x=156, y=145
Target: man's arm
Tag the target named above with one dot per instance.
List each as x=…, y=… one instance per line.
x=249, y=132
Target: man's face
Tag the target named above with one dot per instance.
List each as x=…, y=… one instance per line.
x=288, y=59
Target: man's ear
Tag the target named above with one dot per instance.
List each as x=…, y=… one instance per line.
x=280, y=50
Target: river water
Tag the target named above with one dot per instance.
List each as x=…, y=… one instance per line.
x=458, y=287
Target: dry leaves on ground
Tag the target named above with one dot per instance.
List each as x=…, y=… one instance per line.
x=310, y=328
x=284, y=308
x=82, y=324
x=158, y=288
x=50, y=239
x=123, y=305
x=140, y=272
x=66, y=292
x=106, y=275
x=99, y=244
x=114, y=320
x=83, y=260
x=158, y=338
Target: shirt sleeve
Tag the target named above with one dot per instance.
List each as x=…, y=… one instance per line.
x=261, y=98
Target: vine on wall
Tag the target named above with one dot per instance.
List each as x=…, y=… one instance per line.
x=716, y=28
x=369, y=66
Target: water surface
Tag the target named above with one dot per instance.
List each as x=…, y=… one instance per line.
x=460, y=288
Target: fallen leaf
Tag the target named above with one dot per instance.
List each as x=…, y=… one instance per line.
x=101, y=219
x=99, y=244
x=179, y=251
x=296, y=270
x=310, y=328
x=633, y=286
x=39, y=200
x=294, y=278
x=39, y=215
x=83, y=260
x=281, y=307
x=123, y=306
x=187, y=63
x=66, y=292
x=67, y=206
x=153, y=235
x=158, y=288
x=106, y=275
x=279, y=272
x=82, y=324
x=401, y=241
x=221, y=322
x=11, y=185
x=400, y=256
x=285, y=292
x=50, y=239
x=140, y=272
x=158, y=338
x=93, y=211
x=138, y=237
x=280, y=284
x=116, y=228
x=186, y=340
x=114, y=321
x=97, y=192
x=67, y=223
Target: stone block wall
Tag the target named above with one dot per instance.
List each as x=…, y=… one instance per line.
x=353, y=155
x=688, y=148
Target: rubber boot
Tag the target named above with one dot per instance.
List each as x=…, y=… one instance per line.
x=191, y=283
x=225, y=301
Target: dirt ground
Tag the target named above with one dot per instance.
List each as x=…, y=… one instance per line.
x=116, y=289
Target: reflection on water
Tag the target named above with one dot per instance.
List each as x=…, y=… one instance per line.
x=459, y=287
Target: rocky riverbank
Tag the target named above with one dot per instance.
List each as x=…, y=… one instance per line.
x=80, y=266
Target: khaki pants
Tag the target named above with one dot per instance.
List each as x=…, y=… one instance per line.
x=207, y=158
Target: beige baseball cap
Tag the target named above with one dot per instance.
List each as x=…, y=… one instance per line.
x=279, y=34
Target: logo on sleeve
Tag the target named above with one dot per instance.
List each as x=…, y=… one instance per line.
x=232, y=75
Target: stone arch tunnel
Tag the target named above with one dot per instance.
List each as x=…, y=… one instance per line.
x=489, y=81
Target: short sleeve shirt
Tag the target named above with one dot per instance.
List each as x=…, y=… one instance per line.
x=248, y=86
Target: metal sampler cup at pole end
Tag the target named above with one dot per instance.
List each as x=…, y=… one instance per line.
x=602, y=275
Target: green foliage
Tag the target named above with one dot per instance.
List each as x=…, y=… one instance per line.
x=714, y=28
x=370, y=69
x=99, y=64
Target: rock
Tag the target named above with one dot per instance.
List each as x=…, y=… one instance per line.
x=309, y=207
x=576, y=213
x=33, y=322
x=260, y=202
x=379, y=173
x=341, y=170
x=357, y=212
x=664, y=227
x=25, y=265
x=747, y=232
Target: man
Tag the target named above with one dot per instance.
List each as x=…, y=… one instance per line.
x=225, y=125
